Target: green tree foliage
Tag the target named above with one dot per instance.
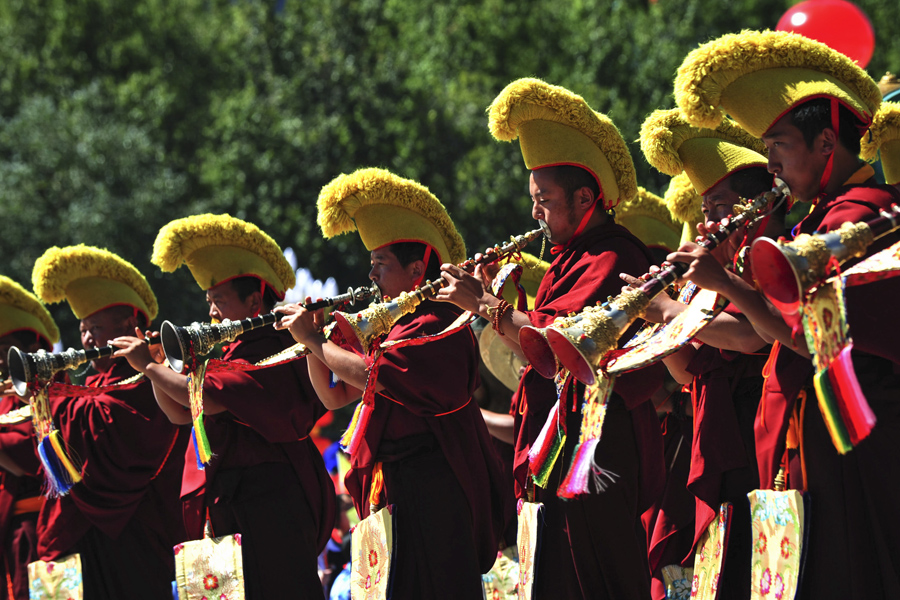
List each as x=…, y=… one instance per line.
x=118, y=117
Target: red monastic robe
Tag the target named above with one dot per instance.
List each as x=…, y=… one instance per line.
x=726, y=392
x=123, y=516
x=18, y=534
x=594, y=546
x=266, y=480
x=854, y=535
x=441, y=471
x=670, y=521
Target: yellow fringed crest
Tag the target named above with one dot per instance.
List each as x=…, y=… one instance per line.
x=685, y=204
x=683, y=201
x=91, y=279
x=648, y=218
x=20, y=309
x=708, y=156
x=757, y=76
x=220, y=247
x=385, y=208
x=884, y=137
x=557, y=127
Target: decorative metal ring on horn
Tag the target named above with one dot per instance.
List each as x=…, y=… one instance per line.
x=579, y=346
x=28, y=367
x=785, y=271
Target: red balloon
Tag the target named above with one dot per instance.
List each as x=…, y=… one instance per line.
x=839, y=24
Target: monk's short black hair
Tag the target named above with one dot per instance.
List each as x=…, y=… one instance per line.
x=750, y=182
x=244, y=286
x=812, y=117
x=409, y=252
x=572, y=178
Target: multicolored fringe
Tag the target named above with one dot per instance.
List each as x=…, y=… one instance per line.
x=847, y=414
x=195, y=393
x=548, y=445
x=60, y=471
x=583, y=469
x=357, y=428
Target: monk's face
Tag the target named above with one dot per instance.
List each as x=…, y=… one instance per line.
x=390, y=276
x=551, y=204
x=793, y=161
x=719, y=201
x=225, y=303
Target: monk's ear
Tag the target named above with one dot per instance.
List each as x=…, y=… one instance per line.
x=584, y=196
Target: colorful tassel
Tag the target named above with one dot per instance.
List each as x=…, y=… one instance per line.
x=195, y=393
x=547, y=446
x=61, y=472
x=831, y=413
x=583, y=470
x=357, y=429
x=855, y=409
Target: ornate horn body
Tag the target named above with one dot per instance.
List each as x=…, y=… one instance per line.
x=579, y=342
x=27, y=367
x=362, y=328
x=785, y=271
x=183, y=345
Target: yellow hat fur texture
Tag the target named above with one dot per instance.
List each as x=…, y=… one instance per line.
x=91, y=279
x=20, y=310
x=557, y=127
x=685, y=204
x=217, y=248
x=385, y=209
x=757, y=76
x=647, y=217
x=707, y=155
x=883, y=140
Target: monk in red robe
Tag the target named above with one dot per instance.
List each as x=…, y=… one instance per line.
x=122, y=516
x=20, y=480
x=812, y=127
x=266, y=479
x=425, y=436
x=594, y=546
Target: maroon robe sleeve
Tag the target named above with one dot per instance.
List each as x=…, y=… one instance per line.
x=123, y=442
x=253, y=397
x=17, y=441
x=430, y=379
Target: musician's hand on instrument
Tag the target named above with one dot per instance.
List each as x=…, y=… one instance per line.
x=135, y=350
x=299, y=321
x=703, y=268
x=661, y=309
x=156, y=349
x=6, y=388
x=488, y=271
x=465, y=290
x=726, y=249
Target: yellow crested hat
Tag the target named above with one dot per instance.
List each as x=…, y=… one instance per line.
x=20, y=310
x=706, y=155
x=685, y=205
x=91, y=279
x=647, y=217
x=884, y=140
x=556, y=127
x=217, y=248
x=532, y=274
x=387, y=209
x=758, y=76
